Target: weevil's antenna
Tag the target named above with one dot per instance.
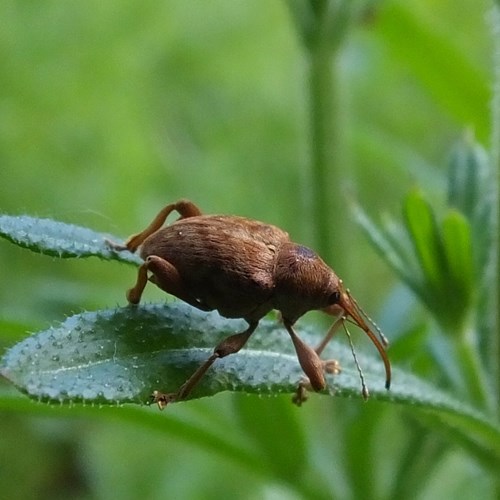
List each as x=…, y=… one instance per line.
x=364, y=389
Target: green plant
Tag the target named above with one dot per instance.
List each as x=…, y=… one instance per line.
x=170, y=70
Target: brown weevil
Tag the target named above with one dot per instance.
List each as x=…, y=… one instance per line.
x=244, y=268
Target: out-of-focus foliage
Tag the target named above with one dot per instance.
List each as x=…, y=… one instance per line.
x=110, y=110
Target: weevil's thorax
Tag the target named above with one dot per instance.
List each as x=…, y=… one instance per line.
x=303, y=282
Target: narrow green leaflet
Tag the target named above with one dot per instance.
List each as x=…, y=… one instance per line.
x=469, y=175
x=457, y=245
x=384, y=244
x=59, y=239
x=421, y=224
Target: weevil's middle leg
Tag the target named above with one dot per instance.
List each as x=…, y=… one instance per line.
x=184, y=207
x=230, y=345
x=329, y=335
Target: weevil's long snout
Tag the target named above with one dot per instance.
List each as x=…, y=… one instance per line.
x=349, y=308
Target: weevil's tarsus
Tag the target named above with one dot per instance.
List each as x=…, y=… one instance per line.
x=301, y=395
x=332, y=367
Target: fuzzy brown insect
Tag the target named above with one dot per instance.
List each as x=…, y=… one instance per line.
x=244, y=268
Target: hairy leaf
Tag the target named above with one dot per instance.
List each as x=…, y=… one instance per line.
x=59, y=239
x=122, y=355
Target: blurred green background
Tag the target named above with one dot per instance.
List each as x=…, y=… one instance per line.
x=110, y=110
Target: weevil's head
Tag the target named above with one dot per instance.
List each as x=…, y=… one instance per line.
x=303, y=282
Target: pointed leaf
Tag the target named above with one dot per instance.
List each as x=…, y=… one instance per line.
x=123, y=355
x=457, y=244
x=421, y=225
x=59, y=239
x=393, y=254
x=468, y=177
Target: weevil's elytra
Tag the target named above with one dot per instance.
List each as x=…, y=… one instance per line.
x=244, y=268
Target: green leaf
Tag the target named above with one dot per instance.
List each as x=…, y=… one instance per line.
x=457, y=244
x=422, y=227
x=469, y=177
x=471, y=190
x=392, y=252
x=59, y=239
x=122, y=355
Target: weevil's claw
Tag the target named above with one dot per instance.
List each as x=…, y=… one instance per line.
x=301, y=394
x=330, y=366
x=116, y=247
x=162, y=399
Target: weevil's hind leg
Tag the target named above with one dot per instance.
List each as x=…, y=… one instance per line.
x=230, y=345
x=330, y=366
x=166, y=276
x=184, y=207
x=134, y=294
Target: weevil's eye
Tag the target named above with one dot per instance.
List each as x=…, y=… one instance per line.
x=334, y=298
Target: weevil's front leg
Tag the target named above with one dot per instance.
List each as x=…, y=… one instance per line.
x=330, y=366
x=308, y=358
x=166, y=277
x=230, y=345
x=184, y=207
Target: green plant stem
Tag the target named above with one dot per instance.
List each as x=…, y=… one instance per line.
x=325, y=150
x=476, y=383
